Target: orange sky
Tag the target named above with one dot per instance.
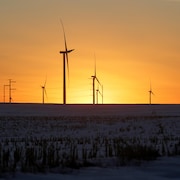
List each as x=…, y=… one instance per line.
x=135, y=42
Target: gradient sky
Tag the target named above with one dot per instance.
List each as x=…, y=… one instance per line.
x=135, y=42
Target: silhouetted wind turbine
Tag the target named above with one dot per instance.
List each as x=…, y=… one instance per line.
x=150, y=93
x=65, y=59
x=94, y=77
x=43, y=91
x=97, y=93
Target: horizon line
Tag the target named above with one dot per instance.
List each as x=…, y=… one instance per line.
x=36, y=103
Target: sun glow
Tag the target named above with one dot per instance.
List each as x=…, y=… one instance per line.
x=135, y=43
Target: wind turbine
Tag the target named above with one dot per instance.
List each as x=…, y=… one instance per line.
x=65, y=60
x=97, y=93
x=94, y=77
x=150, y=93
x=43, y=91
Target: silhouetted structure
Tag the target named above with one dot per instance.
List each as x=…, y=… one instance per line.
x=150, y=93
x=10, y=89
x=43, y=91
x=65, y=59
x=97, y=93
x=94, y=77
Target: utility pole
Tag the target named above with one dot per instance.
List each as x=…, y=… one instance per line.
x=10, y=89
x=5, y=92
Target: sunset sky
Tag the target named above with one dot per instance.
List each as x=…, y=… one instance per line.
x=135, y=42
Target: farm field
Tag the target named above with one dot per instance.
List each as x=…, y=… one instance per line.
x=36, y=138
x=166, y=168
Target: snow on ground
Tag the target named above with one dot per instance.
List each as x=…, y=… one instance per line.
x=166, y=168
x=88, y=109
x=49, y=134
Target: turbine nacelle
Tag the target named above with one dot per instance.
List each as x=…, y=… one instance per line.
x=94, y=77
x=151, y=92
x=66, y=52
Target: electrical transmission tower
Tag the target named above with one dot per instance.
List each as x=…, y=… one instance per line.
x=10, y=89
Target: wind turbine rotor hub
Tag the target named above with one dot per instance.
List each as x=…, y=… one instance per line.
x=67, y=51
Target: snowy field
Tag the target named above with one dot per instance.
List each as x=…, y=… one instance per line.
x=88, y=110
x=89, y=141
x=162, y=169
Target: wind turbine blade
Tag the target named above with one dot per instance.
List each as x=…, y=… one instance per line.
x=65, y=42
x=94, y=65
x=66, y=49
x=45, y=92
x=64, y=35
x=45, y=82
x=151, y=92
x=98, y=87
x=97, y=80
x=100, y=93
x=150, y=86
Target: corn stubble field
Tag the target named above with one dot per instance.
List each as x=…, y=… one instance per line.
x=79, y=136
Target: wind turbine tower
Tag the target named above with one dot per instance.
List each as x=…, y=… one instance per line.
x=65, y=60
